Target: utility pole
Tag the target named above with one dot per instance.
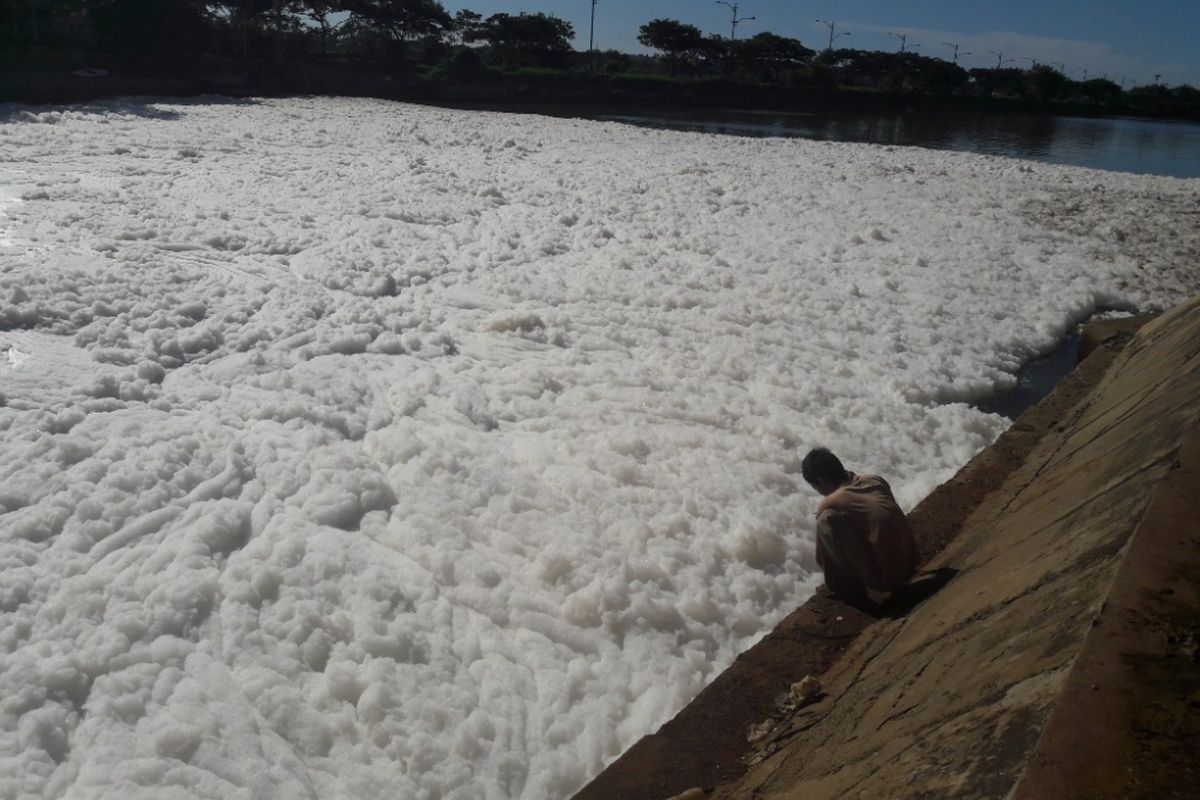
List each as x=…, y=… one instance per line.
x=736, y=19
x=955, y=46
x=1157, y=75
x=903, y=37
x=832, y=31
x=592, y=38
x=277, y=19
x=1000, y=59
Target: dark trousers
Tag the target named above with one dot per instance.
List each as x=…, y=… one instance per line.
x=846, y=556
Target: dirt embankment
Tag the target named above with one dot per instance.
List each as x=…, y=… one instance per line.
x=1051, y=648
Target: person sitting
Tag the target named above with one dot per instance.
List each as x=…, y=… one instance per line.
x=864, y=542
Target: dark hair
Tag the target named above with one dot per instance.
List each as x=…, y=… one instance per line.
x=822, y=465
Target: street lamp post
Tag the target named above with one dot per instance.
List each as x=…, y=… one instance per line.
x=277, y=19
x=832, y=31
x=735, y=20
x=592, y=38
x=1000, y=59
x=955, y=46
x=903, y=37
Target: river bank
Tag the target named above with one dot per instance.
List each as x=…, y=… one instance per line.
x=562, y=93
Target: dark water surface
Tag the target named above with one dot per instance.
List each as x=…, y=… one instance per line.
x=1036, y=379
x=1120, y=144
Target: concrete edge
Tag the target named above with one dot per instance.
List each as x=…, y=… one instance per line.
x=1127, y=722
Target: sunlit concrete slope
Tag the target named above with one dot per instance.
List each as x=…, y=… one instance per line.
x=1060, y=660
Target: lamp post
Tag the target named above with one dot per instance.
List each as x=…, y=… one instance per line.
x=277, y=19
x=903, y=37
x=592, y=38
x=832, y=31
x=955, y=46
x=735, y=20
x=1000, y=59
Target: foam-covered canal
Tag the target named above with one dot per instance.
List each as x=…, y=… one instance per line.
x=351, y=448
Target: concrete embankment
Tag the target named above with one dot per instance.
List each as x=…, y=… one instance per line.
x=1050, y=649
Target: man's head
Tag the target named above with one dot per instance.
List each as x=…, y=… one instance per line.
x=823, y=471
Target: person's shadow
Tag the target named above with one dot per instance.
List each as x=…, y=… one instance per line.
x=901, y=602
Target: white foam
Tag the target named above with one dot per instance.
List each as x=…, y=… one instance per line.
x=377, y=449
x=7, y=198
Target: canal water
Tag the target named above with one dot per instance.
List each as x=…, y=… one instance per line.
x=1120, y=144
x=1036, y=379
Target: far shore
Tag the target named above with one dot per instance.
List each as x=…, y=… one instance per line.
x=560, y=94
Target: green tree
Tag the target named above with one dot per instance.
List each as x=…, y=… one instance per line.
x=1186, y=93
x=245, y=21
x=1004, y=82
x=771, y=55
x=931, y=75
x=526, y=39
x=682, y=44
x=152, y=27
x=467, y=24
x=36, y=23
x=715, y=52
x=319, y=11
x=401, y=20
x=614, y=62
x=1101, y=91
x=1047, y=83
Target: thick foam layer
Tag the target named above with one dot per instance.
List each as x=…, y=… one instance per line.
x=385, y=449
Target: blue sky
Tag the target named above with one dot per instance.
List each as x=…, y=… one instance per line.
x=1121, y=38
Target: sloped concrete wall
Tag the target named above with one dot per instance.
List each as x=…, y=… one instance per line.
x=951, y=701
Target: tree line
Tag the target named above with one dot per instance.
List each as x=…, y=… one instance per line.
x=414, y=29
x=424, y=39
x=771, y=58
